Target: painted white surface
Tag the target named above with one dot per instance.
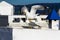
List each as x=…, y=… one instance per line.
x=16, y=24
x=6, y=8
x=55, y=24
x=33, y=34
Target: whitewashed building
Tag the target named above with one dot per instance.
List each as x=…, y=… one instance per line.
x=6, y=8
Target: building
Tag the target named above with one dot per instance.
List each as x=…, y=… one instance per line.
x=6, y=10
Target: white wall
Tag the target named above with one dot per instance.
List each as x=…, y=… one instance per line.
x=33, y=34
x=5, y=11
x=6, y=8
x=55, y=24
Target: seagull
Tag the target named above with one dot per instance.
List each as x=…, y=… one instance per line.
x=32, y=14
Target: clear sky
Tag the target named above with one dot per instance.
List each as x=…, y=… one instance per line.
x=24, y=2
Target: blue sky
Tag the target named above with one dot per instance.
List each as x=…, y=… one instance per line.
x=24, y=2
